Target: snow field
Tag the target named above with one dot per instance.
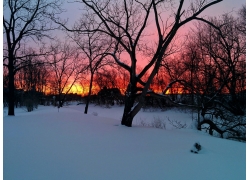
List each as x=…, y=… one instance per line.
x=52, y=145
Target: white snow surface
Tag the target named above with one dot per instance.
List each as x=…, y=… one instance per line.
x=69, y=145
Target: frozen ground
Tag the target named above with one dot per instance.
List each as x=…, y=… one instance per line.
x=69, y=145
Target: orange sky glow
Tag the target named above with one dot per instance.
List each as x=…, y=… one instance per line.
x=75, y=10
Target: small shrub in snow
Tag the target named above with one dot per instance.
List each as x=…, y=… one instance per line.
x=177, y=124
x=95, y=113
x=158, y=123
x=142, y=122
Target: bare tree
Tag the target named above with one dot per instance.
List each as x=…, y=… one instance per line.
x=30, y=75
x=93, y=45
x=65, y=67
x=24, y=21
x=213, y=70
x=242, y=20
x=226, y=45
x=227, y=48
x=128, y=23
x=32, y=79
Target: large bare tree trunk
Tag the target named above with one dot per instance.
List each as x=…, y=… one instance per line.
x=130, y=97
x=89, y=94
x=127, y=117
x=11, y=86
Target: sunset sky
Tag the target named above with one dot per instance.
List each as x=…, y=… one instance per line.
x=74, y=9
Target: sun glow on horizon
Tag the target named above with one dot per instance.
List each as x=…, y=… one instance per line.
x=175, y=90
x=77, y=89
x=83, y=89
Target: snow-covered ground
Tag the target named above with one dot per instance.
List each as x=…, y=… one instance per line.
x=69, y=145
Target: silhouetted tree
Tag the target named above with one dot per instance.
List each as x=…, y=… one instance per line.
x=65, y=68
x=32, y=78
x=23, y=21
x=213, y=69
x=127, y=23
x=93, y=45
